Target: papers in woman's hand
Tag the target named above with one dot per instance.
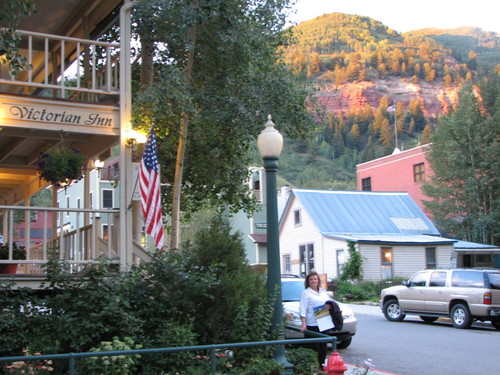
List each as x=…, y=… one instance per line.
x=323, y=318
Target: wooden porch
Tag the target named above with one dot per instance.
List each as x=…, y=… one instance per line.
x=77, y=92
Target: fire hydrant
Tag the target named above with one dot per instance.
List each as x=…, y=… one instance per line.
x=335, y=364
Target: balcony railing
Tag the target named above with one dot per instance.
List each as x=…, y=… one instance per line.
x=65, y=67
x=77, y=236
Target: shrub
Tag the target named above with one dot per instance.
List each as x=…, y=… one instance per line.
x=363, y=291
x=114, y=364
x=352, y=269
x=304, y=360
x=202, y=294
x=261, y=366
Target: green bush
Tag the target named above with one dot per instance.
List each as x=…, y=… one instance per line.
x=362, y=291
x=304, y=360
x=202, y=294
x=260, y=366
x=352, y=270
x=111, y=365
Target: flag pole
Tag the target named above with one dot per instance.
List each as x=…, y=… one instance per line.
x=395, y=126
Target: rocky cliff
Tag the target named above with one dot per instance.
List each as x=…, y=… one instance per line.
x=351, y=96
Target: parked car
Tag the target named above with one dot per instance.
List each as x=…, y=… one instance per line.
x=291, y=288
x=463, y=295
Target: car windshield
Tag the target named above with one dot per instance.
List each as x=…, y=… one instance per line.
x=291, y=290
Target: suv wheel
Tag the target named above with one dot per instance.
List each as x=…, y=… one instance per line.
x=460, y=316
x=392, y=311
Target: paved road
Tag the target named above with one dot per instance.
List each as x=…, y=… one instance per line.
x=413, y=347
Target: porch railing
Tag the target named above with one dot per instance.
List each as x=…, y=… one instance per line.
x=65, y=67
x=77, y=236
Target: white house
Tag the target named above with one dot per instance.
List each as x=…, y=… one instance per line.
x=392, y=234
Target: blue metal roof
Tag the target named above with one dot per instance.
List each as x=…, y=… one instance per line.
x=419, y=239
x=364, y=213
x=467, y=246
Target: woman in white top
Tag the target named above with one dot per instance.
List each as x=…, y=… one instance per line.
x=310, y=298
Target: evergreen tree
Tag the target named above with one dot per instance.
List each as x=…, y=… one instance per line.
x=239, y=293
x=465, y=157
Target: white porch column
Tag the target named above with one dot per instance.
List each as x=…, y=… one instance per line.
x=125, y=237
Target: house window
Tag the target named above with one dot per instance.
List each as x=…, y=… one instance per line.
x=386, y=263
x=418, y=172
x=482, y=260
x=105, y=232
x=256, y=191
x=107, y=198
x=306, y=258
x=430, y=257
x=296, y=217
x=78, y=202
x=340, y=260
x=67, y=205
x=287, y=264
x=90, y=200
x=366, y=184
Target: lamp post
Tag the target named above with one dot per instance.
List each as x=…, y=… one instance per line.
x=270, y=144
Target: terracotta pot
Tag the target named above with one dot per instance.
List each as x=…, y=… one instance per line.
x=10, y=269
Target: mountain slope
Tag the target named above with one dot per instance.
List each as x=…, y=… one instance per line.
x=362, y=69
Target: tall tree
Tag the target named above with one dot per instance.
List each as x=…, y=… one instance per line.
x=465, y=159
x=217, y=76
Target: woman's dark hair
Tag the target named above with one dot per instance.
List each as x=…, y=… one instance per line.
x=312, y=273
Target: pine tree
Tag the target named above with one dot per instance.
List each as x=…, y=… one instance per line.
x=465, y=160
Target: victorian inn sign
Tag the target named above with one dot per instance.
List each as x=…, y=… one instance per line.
x=45, y=114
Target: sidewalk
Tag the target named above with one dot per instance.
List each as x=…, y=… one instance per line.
x=355, y=370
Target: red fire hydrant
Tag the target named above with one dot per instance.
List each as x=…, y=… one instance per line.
x=335, y=364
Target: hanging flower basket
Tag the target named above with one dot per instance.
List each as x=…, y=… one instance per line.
x=18, y=252
x=61, y=165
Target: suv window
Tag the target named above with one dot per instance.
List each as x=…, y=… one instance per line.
x=469, y=279
x=418, y=279
x=494, y=279
x=438, y=279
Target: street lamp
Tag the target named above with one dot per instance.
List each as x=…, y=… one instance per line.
x=270, y=144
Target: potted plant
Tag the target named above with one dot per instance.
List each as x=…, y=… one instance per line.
x=61, y=165
x=18, y=253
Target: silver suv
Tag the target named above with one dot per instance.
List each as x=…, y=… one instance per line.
x=463, y=295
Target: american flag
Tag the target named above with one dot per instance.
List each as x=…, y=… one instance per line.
x=150, y=191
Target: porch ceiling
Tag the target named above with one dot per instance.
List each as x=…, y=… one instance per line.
x=19, y=151
x=21, y=141
x=75, y=18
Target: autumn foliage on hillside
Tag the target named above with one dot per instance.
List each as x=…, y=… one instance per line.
x=375, y=90
x=342, y=48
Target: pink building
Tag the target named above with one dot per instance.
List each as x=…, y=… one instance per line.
x=401, y=171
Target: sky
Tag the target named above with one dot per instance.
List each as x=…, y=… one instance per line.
x=405, y=15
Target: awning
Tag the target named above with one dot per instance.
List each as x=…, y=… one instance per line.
x=258, y=237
